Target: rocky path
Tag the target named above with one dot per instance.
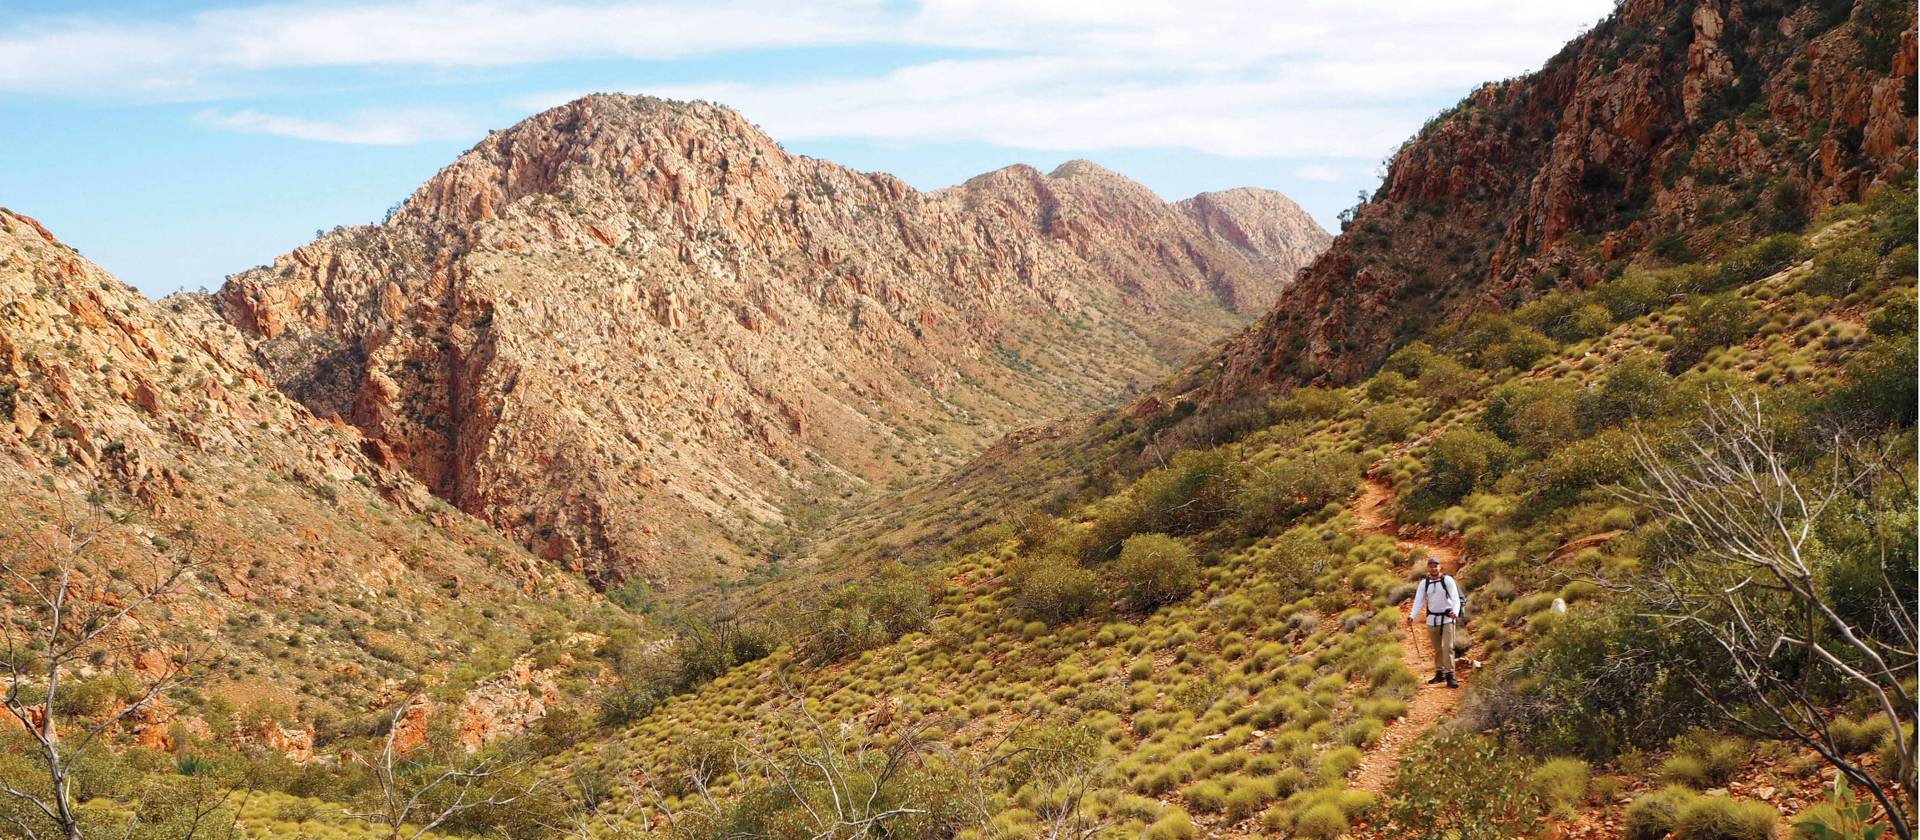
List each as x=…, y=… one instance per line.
x=1433, y=702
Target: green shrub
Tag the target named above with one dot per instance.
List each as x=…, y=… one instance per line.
x=1154, y=569
x=1207, y=795
x=1561, y=783
x=1321, y=822
x=1505, y=405
x=1852, y=737
x=707, y=649
x=835, y=633
x=1581, y=466
x=1247, y=796
x=1446, y=381
x=1895, y=319
x=1719, y=756
x=1547, y=424
x=624, y=704
x=1296, y=557
x=1689, y=770
x=1363, y=732
x=1757, y=260
x=1521, y=349
x=1497, y=342
x=1879, y=389
x=1470, y=786
x=1600, y=683
x=1191, y=494
x=1411, y=360
x=1386, y=385
x=1634, y=388
x=1891, y=765
x=1039, y=534
x=1720, y=818
x=1275, y=495
x=1052, y=589
x=1173, y=824
x=1289, y=781
x=1843, y=267
x=898, y=600
x=1717, y=321
x=1843, y=816
x=1634, y=294
x=1310, y=403
x=1654, y=815
x=1337, y=763
x=1388, y=424
x=1566, y=317
x=97, y=695
x=1461, y=459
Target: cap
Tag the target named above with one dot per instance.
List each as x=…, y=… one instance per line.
x=1433, y=561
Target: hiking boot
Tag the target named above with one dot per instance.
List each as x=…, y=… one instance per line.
x=1438, y=678
x=1451, y=682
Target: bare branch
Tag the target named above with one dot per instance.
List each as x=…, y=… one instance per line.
x=1750, y=580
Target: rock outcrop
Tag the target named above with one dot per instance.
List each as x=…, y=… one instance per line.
x=641, y=337
x=1687, y=125
x=314, y=566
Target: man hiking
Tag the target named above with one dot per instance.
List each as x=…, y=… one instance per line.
x=1439, y=599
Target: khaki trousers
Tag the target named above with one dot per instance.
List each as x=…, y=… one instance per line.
x=1441, y=643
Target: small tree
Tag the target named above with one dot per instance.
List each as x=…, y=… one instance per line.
x=413, y=795
x=78, y=588
x=1052, y=589
x=835, y=781
x=1751, y=577
x=1154, y=569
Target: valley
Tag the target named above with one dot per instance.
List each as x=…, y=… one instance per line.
x=639, y=478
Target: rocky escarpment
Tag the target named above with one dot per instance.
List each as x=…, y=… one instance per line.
x=1671, y=131
x=640, y=336
x=318, y=574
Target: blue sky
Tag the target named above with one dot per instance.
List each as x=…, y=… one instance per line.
x=175, y=142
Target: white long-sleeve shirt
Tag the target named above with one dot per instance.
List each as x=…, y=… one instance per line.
x=1445, y=598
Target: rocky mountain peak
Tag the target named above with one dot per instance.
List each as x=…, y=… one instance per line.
x=596, y=137
x=1264, y=224
x=636, y=333
x=1087, y=172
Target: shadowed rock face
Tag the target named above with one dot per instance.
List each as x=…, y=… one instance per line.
x=1696, y=123
x=639, y=336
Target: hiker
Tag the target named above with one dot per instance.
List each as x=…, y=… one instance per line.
x=1439, y=597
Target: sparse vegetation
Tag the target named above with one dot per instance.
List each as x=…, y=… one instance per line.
x=1679, y=460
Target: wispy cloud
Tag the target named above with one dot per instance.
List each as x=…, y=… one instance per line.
x=1329, y=79
x=1319, y=172
x=1319, y=79
x=377, y=128
x=107, y=56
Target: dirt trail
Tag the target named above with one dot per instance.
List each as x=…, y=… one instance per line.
x=1433, y=702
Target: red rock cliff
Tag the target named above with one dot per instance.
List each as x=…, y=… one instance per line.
x=1698, y=122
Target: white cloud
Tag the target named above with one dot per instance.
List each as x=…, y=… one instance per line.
x=1322, y=79
x=1046, y=104
x=378, y=128
x=201, y=53
x=1330, y=79
x=1319, y=172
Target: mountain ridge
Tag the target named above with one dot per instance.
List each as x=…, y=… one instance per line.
x=1666, y=121
x=709, y=286
x=321, y=582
